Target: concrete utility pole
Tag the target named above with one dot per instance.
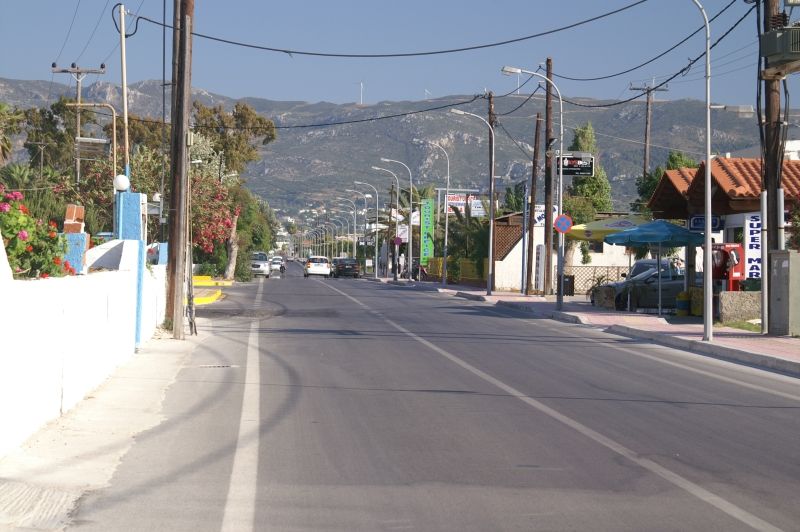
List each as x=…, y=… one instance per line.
x=532, y=210
x=548, y=183
x=178, y=238
x=492, y=122
x=647, y=120
x=78, y=74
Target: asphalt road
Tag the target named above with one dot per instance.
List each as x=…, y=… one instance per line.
x=348, y=405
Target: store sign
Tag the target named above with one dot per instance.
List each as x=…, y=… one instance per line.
x=426, y=231
x=539, y=215
x=460, y=200
x=752, y=246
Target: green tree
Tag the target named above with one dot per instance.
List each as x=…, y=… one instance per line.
x=234, y=133
x=647, y=183
x=10, y=120
x=142, y=132
x=677, y=159
x=587, y=195
x=56, y=127
x=515, y=198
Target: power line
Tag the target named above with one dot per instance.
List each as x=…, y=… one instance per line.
x=291, y=52
x=69, y=31
x=681, y=72
x=516, y=143
x=659, y=56
x=96, y=25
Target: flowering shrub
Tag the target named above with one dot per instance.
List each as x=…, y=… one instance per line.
x=34, y=248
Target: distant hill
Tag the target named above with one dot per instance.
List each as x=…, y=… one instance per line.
x=308, y=164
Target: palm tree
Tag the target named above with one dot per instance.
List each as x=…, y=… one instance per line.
x=9, y=125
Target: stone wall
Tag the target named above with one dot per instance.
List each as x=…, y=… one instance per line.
x=739, y=306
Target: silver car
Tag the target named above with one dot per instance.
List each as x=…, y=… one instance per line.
x=260, y=264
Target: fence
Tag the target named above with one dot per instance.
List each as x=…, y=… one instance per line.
x=588, y=276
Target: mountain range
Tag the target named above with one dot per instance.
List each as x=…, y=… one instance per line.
x=305, y=165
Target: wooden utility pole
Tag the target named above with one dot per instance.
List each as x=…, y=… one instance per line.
x=548, y=183
x=492, y=122
x=772, y=142
x=178, y=223
x=647, y=121
x=532, y=208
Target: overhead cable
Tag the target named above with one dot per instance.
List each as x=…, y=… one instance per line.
x=292, y=52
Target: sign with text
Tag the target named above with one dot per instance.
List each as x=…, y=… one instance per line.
x=402, y=232
x=581, y=164
x=697, y=223
x=426, y=231
x=752, y=246
x=539, y=214
x=460, y=200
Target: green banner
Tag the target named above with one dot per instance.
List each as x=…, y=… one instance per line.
x=426, y=231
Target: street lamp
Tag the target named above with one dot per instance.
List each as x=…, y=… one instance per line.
x=366, y=208
x=355, y=226
x=708, y=318
x=490, y=276
x=410, y=214
x=508, y=70
x=396, y=214
x=446, y=211
x=375, y=266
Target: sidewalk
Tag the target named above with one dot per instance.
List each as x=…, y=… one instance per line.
x=777, y=353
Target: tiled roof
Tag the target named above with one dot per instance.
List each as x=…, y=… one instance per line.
x=681, y=178
x=740, y=178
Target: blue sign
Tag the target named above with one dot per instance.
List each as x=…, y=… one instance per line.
x=697, y=223
x=562, y=223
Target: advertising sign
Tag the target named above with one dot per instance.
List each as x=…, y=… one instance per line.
x=402, y=232
x=460, y=200
x=577, y=164
x=752, y=245
x=539, y=213
x=426, y=231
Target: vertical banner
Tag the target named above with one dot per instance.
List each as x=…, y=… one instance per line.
x=752, y=245
x=426, y=231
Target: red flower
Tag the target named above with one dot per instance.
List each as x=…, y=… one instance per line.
x=57, y=260
x=67, y=265
x=23, y=208
x=28, y=248
x=52, y=224
x=51, y=234
x=45, y=275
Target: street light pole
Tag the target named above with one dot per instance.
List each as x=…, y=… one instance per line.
x=513, y=70
x=377, y=204
x=490, y=276
x=355, y=226
x=446, y=214
x=396, y=215
x=366, y=208
x=410, y=263
x=708, y=292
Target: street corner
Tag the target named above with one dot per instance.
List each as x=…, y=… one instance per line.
x=206, y=296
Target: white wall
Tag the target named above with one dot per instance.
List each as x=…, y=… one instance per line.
x=60, y=338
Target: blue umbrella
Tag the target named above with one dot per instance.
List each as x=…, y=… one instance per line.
x=657, y=233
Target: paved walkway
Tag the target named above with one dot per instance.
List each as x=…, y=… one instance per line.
x=779, y=353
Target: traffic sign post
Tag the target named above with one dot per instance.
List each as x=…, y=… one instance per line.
x=562, y=223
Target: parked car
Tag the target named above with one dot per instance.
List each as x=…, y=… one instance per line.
x=317, y=265
x=643, y=287
x=344, y=267
x=260, y=264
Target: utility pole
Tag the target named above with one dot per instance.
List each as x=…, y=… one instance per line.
x=647, y=120
x=178, y=223
x=492, y=122
x=532, y=209
x=41, y=146
x=548, y=182
x=78, y=74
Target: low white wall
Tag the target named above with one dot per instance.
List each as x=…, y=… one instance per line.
x=60, y=338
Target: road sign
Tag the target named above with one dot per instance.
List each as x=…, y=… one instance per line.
x=397, y=241
x=562, y=223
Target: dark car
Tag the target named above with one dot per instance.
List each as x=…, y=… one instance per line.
x=346, y=268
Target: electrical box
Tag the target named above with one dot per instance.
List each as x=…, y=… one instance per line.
x=784, y=293
x=781, y=48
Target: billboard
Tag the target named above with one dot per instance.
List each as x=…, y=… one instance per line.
x=460, y=200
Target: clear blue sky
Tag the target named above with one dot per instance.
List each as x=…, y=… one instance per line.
x=32, y=34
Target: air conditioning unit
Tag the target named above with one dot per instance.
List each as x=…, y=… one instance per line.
x=781, y=48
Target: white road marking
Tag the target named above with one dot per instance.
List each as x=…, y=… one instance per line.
x=240, y=505
x=687, y=485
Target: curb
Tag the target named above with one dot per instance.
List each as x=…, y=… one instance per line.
x=722, y=352
x=206, y=300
